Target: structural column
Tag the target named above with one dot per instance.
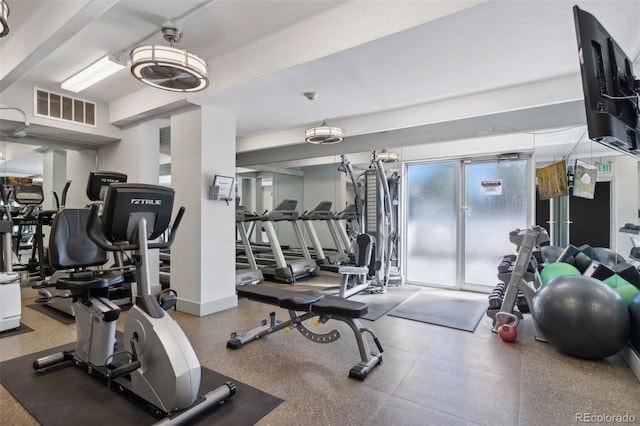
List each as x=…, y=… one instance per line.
x=203, y=255
x=79, y=164
x=137, y=156
x=54, y=176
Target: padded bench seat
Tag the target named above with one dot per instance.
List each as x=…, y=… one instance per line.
x=311, y=300
x=90, y=280
x=287, y=299
x=333, y=305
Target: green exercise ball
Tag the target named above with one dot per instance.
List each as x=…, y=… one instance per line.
x=615, y=281
x=627, y=292
x=557, y=269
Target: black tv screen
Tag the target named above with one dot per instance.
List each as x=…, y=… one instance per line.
x=609, y=85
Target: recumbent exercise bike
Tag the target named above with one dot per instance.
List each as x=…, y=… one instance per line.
x=163, y=371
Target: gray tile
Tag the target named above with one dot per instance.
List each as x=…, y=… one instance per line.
x=404, y=334
x=544, y=366
x=547, y=404
x=400, y=412
x=471, y=394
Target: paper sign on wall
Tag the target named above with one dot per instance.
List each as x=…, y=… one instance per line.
x=491, y=187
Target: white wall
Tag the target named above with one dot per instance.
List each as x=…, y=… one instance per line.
x=490, y=145
x=21, y=94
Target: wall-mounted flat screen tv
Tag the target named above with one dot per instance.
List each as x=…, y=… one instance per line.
x=611, y=91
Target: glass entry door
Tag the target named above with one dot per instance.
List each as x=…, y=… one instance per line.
x=458, y=218
x=432, y=223
x=496, y=201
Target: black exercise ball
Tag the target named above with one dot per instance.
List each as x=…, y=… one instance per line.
x=634, y=313
x=607, y=257
x=581, y=316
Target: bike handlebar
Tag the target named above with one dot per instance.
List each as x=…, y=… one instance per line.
x=103, y=243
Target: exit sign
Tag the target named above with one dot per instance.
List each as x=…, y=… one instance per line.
x=605, y=168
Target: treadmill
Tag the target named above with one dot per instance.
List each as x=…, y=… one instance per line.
x=279, y=268
x=246, y=274
x=323, y=213
x=348, y=216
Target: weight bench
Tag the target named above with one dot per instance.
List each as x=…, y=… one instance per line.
x=304, y=305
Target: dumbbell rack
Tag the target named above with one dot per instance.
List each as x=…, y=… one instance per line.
x=519, y=276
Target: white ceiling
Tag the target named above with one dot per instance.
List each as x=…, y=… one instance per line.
x=378, y=66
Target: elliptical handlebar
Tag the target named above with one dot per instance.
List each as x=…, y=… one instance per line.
x=64, y=193
x=5, y=202
x=102, y=242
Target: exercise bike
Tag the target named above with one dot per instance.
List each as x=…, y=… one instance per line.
x=162, y=371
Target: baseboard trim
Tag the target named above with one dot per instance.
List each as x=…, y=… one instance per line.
x=633, y=359
x=207, y=308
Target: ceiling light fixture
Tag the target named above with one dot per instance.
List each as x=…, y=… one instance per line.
x=385, y=156
x=324, y=134
x=168, y=68
x=98, y=71
x=4, y=14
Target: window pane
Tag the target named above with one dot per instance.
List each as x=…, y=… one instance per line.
x=431, y=223
x=496, y=203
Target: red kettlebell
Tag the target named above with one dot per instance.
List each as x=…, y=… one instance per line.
x=508, y=331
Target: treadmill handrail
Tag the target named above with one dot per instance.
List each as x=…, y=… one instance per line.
x=280, y=215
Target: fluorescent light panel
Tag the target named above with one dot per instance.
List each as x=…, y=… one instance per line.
x=94, y=73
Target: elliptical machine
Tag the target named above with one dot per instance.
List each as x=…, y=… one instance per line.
x=10, y=298
x=163, y=372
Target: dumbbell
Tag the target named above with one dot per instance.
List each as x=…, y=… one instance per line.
x=495, y=302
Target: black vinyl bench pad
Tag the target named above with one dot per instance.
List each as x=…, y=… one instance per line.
x=312, y=300
x=334, y=305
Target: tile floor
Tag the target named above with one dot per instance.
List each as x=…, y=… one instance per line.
x=431, y=375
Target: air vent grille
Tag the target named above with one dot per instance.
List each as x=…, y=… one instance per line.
x=61, y=107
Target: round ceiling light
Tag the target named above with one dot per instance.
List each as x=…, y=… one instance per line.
x=324, y=134
x=4, y=14
x=168, y=68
